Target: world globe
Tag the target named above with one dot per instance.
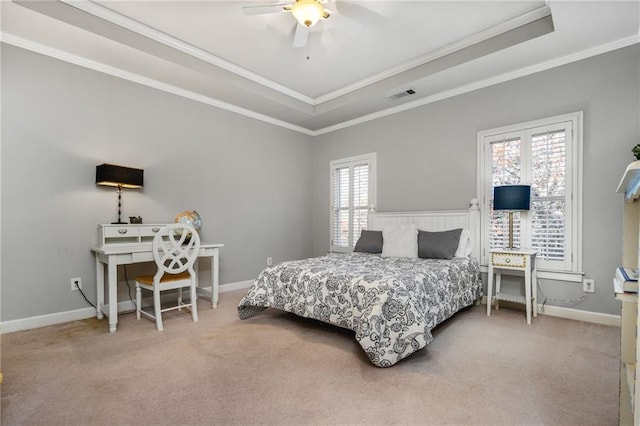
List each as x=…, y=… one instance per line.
x=190, y=218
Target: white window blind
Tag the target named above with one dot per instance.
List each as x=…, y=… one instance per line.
x=545, y=154
x=360, y=201
x=341, y=186
x=549, y=205
x=352, y=196
x=505, y=170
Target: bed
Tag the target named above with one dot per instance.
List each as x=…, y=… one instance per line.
x=391, y=301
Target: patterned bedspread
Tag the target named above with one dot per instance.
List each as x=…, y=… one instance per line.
x=390, y=303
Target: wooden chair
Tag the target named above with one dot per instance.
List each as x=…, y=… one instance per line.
x=175, y=249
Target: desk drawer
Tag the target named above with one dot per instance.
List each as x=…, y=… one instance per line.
x=509, y=260
x=127, y=234
x=147, y=232
x=119, y=234
x=123, y=231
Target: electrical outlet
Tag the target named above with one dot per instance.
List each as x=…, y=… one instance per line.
x=76, y=284
x=588, y=285
x=269, y=261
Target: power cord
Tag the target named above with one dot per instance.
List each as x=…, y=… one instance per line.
x=563, y=301
x=85, y=297
x=126, y=279
x=129, y=292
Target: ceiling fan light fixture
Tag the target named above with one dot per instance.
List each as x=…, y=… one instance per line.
x=307, y=12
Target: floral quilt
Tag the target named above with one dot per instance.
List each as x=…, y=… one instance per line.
x=391, y=304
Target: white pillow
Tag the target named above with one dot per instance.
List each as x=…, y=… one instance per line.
x=400, y=241
x=464, y=245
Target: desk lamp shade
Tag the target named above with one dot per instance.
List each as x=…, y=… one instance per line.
x=120, y=177
x=110, y=175
x=511, y=197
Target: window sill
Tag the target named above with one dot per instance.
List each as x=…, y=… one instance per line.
x=575, y=277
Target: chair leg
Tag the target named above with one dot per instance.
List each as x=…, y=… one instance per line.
x=138, y=300
x=179, y=299
x=194, y=302
x=157, y=308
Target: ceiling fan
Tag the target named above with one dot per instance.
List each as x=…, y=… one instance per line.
x=306, y=12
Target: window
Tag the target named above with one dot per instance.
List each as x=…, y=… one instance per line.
x=352, y=197
x=546, y=154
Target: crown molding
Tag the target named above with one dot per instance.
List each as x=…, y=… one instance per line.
x=145, y=81
x=439, y=53
x=153, y=34
x=598, y=50
x=96, y=66
x=189, y=49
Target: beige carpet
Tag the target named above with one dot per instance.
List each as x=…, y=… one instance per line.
x=277, y=369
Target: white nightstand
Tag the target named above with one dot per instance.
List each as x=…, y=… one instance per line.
x=524, y=260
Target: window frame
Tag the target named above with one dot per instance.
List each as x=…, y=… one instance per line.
x=572, y=270
x=370, y=159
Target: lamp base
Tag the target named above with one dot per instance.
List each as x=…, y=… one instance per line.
x=119, y=222
x=511, y=246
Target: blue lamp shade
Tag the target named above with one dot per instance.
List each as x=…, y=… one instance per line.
x=512, y=197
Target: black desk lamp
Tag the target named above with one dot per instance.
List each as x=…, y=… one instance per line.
x=511, y=197
x=120, y=177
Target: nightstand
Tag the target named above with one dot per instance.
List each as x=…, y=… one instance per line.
x=509, y=260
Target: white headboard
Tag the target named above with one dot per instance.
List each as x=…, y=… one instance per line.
x=435, y=221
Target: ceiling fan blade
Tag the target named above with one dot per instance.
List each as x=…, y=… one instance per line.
x=301, y=36
x=347, y=26
x=270, y=8
x=357, y=12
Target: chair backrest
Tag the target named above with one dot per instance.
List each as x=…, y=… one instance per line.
x=175, y=248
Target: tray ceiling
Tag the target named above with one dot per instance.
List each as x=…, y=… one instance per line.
x=361, y=63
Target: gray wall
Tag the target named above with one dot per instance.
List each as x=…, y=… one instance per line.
x=260, y=189
x=427, y=156
x=249, y=180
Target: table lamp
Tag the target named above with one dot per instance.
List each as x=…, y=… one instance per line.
x=120, y=177
x=511, y=198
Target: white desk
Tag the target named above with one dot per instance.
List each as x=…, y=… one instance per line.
x=514, y=260
x=108, y=259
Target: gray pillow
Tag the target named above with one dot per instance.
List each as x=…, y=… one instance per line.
x=369, y=242
x=438, y=245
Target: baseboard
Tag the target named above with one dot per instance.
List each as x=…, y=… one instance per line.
x=240, y=285
x=84, y=313
x=578, y=315
x=45, y=320
x=127, y=305
x=573, y=314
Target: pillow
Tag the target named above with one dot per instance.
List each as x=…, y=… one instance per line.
x=464, y=247
x=438, y=245
x=400, y=241
x=369, y=242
